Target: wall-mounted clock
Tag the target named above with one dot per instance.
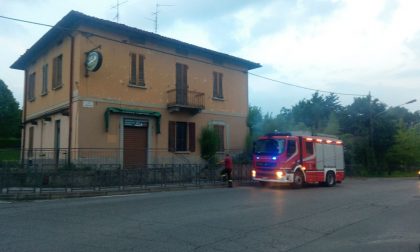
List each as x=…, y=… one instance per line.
x=93, y=61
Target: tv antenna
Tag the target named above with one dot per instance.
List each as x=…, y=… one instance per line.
x=117, y=6
x=156, y=13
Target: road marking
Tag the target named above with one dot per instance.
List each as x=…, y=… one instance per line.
x=118, y=195
x=5, y=202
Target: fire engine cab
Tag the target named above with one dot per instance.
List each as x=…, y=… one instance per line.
x=298, y=158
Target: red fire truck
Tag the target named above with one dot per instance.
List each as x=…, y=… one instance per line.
x=298, y=158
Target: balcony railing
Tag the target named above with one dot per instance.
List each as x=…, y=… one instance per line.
x=185, y=100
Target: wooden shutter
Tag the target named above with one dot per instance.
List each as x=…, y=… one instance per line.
x=31, y=142
x=220, y=89
x=60, y=70
x=178, y=74
x=133, y=74
x=44, y=79
x=215, y=84
x=191, y=136
x=220, y=131
x=171, y=136
x=141, y=70
x=184, y=76
x=54, y=80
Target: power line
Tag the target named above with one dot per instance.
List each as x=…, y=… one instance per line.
x=25, y=21
x=303, y=87
x=253, y=74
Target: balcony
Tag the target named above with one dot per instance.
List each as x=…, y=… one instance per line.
x=182, y=100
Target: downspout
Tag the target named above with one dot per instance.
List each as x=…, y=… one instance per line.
x=70, y=99
x=23, y=144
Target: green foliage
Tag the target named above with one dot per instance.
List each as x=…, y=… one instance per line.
x=209, y=142
x=9, y=113
x=9, y=154
x=9, y=143
x=406, y=151
x=254, y=119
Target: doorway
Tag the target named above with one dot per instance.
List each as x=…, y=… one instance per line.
x=135, y=143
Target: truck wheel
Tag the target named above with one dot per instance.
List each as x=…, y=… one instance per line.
x=298, y=180
x=330, y=179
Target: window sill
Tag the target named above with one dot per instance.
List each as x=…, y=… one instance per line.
x=57, y=87
x=218, y=99
x=44, y=94
x=137, y=86
x=31, y=100
x=182, y=152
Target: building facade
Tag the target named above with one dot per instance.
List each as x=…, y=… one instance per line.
x=99, y=91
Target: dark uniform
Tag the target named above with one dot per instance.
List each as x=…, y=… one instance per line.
x=228, y=169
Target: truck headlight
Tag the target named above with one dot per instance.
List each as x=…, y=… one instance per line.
x=279, y=174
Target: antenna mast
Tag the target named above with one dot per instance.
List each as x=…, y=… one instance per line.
x=117, y=6
x=156, y=13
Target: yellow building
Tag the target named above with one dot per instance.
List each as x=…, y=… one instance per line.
x=98, y=91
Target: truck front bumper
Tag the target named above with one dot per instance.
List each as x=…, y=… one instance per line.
x=286, y=179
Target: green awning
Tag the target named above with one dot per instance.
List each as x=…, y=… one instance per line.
x=136, y=112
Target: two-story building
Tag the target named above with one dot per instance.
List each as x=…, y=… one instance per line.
x=99, y=91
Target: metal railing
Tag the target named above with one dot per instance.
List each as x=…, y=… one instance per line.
x=181, y=97
x=68, y=180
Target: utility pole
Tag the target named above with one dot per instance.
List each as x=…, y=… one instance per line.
x=117, y=6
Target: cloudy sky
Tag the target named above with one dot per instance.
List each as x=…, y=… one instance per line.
x=344, y=46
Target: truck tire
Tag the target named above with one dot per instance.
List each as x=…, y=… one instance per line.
x=298, y=180
x=330, y=179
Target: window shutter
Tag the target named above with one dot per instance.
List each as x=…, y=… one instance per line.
x=184, y=76
x=54, y=80
x=59, y=71
x=220, y=131
x=133, y=75
x=220, y=93
x=215, y=84
x=178, y=74
x=141, y=70
x=171, y=136
x=191, y=136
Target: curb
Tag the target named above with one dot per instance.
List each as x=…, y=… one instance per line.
x=40, y=195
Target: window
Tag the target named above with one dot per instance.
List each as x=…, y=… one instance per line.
x=137, y=73
x=291, y=147
x=269, y=146
x=217, y=85
x=44, y=79
x=181, y=136
x=31, y=87
x=31, y=142
x=220, y=131
x=57, y=80
x=309, y=148
x=181, y=83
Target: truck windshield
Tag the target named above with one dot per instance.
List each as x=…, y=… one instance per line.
x=269, y=146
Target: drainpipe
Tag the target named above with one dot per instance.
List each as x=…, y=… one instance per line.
x=70, y=99
x=22, y=154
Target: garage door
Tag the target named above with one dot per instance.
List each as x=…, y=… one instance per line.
x=135, y=147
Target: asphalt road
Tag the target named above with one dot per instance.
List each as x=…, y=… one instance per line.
x=358, y=215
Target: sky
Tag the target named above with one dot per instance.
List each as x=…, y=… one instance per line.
x=343, y=46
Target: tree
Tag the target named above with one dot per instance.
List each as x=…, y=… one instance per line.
x=9, y=113
x=405, y=153
x=209, y=142
x=254, y=119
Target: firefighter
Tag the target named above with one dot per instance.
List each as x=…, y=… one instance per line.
x=227, y=171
